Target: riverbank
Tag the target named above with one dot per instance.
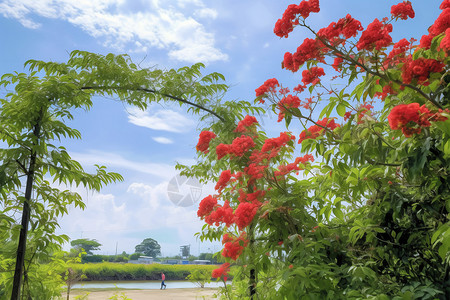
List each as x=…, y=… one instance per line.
x=167, y=294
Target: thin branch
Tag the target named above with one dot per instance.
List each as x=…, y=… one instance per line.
x=154, y=92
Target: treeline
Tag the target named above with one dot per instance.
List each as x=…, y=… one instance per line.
x=124, y=258
x=112, y=271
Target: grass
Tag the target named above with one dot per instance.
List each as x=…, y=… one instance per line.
x=116, y=271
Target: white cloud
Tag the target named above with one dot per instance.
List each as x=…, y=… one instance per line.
x=114, y=160
x=164, y=26
x=162, y=140
x=207, y=13
x=165, y=119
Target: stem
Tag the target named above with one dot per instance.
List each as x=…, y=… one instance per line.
x=154, y=92
x=18, y=272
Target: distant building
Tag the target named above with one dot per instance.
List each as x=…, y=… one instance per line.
x=171, y=261
x=201, y=262
x=145, y=260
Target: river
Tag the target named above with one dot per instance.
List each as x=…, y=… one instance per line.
x=142, y=285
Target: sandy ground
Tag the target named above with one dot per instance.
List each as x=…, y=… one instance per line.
x=168, y=294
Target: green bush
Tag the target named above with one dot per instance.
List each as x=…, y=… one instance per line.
x=115, y=271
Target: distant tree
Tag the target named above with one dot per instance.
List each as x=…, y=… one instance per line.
x=149, y=247
x=87, y=244
x=135, y=256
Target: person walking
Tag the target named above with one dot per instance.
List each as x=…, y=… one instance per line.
x=163, y=277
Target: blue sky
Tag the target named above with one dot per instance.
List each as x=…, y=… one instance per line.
x=233, y=37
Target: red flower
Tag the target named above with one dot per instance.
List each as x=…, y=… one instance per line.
x=295, y=166
x=269, y=86
x=441, y=24
x=425, y=41
x=337, y=64
x=375, y=36
x=206, y=206
x=420, y=69
x=204, y=140
x=224, y=178
x=445, y=4
x=317, y=130
x=287, y=102
x=221, y=272
x=312, y=75
x=238, y=147
x=409, y=118
x=245, y=212
x=285, y=25
x=220, y=214
x=274, y=143
x=402, y=10
x=234, y=246
x=245, y=123
x=310, y=49
x=222, y=150
x=398, y=53
x=346, y=27
x=445, y=42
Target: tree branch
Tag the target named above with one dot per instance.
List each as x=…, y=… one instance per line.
x=155, y=92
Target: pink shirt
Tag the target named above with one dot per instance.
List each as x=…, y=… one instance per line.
x=163, y=277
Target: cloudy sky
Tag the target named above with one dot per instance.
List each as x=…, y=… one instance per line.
x=233, y=37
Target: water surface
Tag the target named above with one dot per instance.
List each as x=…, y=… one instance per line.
x=141, y=285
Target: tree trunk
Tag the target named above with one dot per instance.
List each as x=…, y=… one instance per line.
x=252, y=279
x=20, y=259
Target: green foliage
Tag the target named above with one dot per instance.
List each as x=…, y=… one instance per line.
x=200, y=277
x=33, y=116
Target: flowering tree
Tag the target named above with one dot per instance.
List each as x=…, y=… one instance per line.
x=368, y=216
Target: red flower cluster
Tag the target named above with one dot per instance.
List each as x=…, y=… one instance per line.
x=375, y=36
x=204, y=140
x=283, y=170
x=245, y=123
x=251, y=197
x=268, y=86
x=221, y=272
x=402, y=10
x=206, y=206
x=245, y=212
x=310, y=49
x=234, y=246
x=312, y=75
x=401, y=116
x=287, y=102
x=420, y=69
x=220, y=214
x=317, y=130
x=445, y=43
x=347, y=27
x=238, y=147
x=410, y=118
x=337, y=63
x=224, y=178
x=276, y=143
x=441, y=24
x=397, y=54
x=285, y=25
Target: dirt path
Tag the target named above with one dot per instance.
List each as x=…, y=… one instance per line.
x=168, y=294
